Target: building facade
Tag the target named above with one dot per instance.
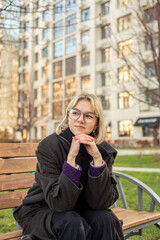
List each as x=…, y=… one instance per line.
x=70, y=46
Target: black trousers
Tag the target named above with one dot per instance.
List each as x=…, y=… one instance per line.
x=87, y=225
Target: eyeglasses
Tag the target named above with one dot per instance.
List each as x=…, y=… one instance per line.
x=87, y=116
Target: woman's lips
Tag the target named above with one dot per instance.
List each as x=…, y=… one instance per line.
x=78, y=126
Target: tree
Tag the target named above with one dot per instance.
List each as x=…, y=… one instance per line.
x=140, y=53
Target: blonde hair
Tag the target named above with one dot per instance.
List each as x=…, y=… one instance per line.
x=100, y=132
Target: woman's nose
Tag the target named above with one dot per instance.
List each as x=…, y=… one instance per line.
x=81, y=118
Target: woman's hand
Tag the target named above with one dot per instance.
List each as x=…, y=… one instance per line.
x=73, y=152
x=90, y=145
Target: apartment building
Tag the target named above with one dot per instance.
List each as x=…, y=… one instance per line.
x=70, y=46
x=8, y=90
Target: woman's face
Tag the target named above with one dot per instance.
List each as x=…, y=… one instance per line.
x=81, y=125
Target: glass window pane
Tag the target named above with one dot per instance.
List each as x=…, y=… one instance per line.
x=57, y=90
x=58, y=29
x=58, y=49
x=57, y=110
x=85, y=82
x=57, y=70
x=70, y=6
x=70, y=45
x=85, y=14
x=71, y=24
x=70, y=66
x=125, y=128
x=85, y=37
x=58, y=10
x=70, y=87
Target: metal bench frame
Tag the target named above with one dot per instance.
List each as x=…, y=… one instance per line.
x=155, y=199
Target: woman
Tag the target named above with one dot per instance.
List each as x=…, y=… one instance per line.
x=74, y=185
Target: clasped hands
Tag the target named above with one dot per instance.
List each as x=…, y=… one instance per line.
x=90, y=145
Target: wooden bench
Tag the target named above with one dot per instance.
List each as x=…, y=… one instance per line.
x=16, y=158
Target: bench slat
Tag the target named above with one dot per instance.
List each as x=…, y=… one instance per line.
x=11, y=199
x=11, y=236
x=15, y=165
x=18, y=181
x=17, y=149
x=133, y=218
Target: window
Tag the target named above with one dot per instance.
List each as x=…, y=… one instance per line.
x=124, y=23
x=106, y=31
x=44, y=91
x=125, y=100
x=35, y=93
x=106, y=102
x=37, y=22
x=45, y=34
x=70, y=45
x=106, y=55
x=45, y=52
x=25, y=77
x=35, y=132
x=26, y=26
x=70, y=66
x=45, y=71
x=105, y=7
x=151, y=39
x=46, y=15
x=37, y=39
x=44, y=110
x=57, y=70
x=57, y=110
x=150, y=70
x=85, y=59
x=25, y=61
x=36, y=57
x=125, y=128
x=85, y=82
x=43, y=131
x=122, y=3
x=125, y=48
x=36, y=75
x=35, y=111
x=71, y=24
x=106, y=78
x=70, y=87
x=85, y=15
x=26, y=43
x=58, y=10
x=85, y=37
x=26, y=9
x=148, y=131
x=125, y=74
x=58, y=49
x=58, y=29
x=151, y=14
x=70, y=6
x=57, y=90
x=153, y=97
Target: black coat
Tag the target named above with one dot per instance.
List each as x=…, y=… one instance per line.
x=54, y=191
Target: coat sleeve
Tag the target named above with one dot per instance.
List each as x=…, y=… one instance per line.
x=101, y=190
x=59, y=191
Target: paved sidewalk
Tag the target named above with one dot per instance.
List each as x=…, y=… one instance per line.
x=123, y=152
x=136, y=169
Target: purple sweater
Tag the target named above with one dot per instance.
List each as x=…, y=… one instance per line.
x=74, y=174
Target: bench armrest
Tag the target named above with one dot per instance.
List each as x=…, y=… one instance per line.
x=141, y=187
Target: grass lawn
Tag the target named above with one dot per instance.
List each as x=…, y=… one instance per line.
x=144, y=161
x=151, y=179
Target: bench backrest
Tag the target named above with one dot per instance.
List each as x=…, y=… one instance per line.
x=17, y=164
